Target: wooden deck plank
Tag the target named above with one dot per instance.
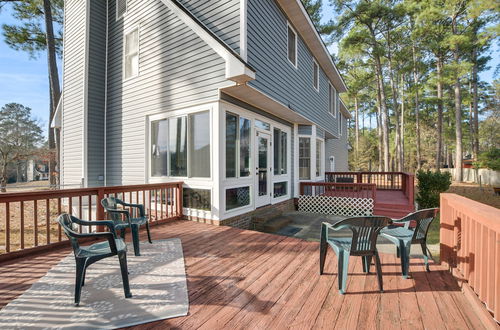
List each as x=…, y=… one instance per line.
x=251, y=280
x=388, y=315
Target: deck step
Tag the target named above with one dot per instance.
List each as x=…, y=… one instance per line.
x=275, y=224
x=391, y=212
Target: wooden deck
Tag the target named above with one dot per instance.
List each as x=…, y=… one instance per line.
x=246, y=279
x=392, y=203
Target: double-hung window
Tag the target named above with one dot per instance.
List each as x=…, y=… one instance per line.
x=180, y=146
x=315, y=75
x=292, y=45
x=121, y=8
x=131, y=54
x=280, y=152
x=332, y=100
x=237, y=146
x=304, y=158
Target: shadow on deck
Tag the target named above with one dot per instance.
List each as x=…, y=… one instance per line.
x=246, y=279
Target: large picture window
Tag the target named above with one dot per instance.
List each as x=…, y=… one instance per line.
x=280, y=152
x=237, y=146
x=304, y=158
x=319, y=152
x=131, y=54
x=180, y=146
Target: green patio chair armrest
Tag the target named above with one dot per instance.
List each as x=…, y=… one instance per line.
x=107, y=223
x=125, y=212
x=406, y=223
x=139, y=206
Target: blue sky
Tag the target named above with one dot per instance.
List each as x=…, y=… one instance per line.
x=24, y=80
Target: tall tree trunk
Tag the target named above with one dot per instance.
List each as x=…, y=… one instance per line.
x=384, y=116
x=471, y=118
x=397, y=140
x=356, y=129
x=475, y=137
x=439, y=83
x=417, y=106
x=55, y=89
x=378, y=117
x=458, y=111
x=402, y=124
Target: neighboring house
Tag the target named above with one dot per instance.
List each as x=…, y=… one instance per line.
x=237, y=98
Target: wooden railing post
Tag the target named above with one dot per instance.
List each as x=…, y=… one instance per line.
x=179, y=200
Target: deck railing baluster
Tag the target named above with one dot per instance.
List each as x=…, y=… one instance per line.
x=21, y=215
x=47, y=219
x=7, y=227
x=35, y=221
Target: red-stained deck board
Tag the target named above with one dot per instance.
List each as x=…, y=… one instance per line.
x=246, y=279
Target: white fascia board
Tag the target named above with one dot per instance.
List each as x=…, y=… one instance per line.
x=236, y=69
x=343, y=109
x=57, y=119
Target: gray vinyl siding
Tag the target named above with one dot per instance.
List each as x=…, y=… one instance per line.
x=276, y=76
x=176, y=69
x=305, y=130
x=73, y=97
x=221, y=17
x=96, y=92
x=338, y=148
x=320, y=133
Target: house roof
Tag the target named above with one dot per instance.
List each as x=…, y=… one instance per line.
x=302, y=23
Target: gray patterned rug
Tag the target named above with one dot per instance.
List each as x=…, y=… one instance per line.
x=157, y=281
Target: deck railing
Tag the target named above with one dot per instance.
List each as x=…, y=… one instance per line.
x=470, y=245
x=363, y=190
x=27, y=219
x=383, y=180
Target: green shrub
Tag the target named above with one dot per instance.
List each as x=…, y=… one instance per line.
x=489, y=159
x=430, y=185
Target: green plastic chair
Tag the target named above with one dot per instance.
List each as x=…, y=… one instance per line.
x=116, y=215
x=404, y=236
x=87, y=255
x=363, y=243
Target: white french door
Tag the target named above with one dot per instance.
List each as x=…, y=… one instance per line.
x=263, y=169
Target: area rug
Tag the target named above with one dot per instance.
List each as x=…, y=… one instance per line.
x=157, y=281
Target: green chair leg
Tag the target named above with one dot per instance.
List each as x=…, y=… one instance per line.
x=122, y=233
x=367, y=260
x=343, y=266
x=323, y=248
x=405, y=257
x=149, y=234
x=135, y=240
x=426, y=258
x=122, y=257
x=80, y=273
x=379, y=272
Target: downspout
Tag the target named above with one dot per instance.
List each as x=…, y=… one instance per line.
x=106, y=96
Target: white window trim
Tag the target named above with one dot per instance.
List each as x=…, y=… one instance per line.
x=168, y=178
x=116, y=10
x=317, y=77
x=136, y=27
x=334, y=113
x=296, y=64
x=321, y=159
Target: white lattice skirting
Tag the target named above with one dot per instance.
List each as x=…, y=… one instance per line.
x=345, y=206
